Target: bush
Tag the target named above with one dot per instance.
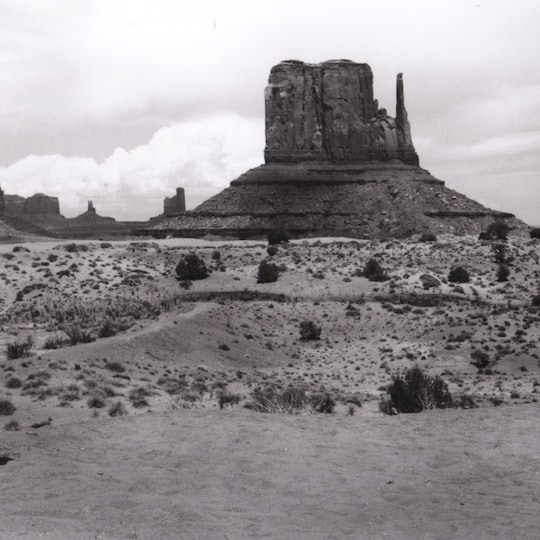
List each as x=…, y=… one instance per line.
x=191, y=268
x=278, y=236
x=498, y=230
x=309, y=331
x=480, y=359
x=271, y=250
x=428, y=237
x=503, y=272
x=374, y=271
x=115, y=366
x=117, y=409
x=458, y=274
x=216, y=255
x=13, y=382
x=267, y=273
x=107, y=330
x=535, y=233
x=54, y=342
x=6, y=407
x=414, y=392
x=535, y=302
x=20, y=349
x=323, y=403
x=79, y=335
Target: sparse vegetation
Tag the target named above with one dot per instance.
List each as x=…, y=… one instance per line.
x=458, y=274
x=428, y=237
x=191, y=268
x=309, y=331
x=535, y=233
x=76, y=335
x=414, y=391
x=374, y=271
x=267, y=273
x=6, y=407
x=20, y=349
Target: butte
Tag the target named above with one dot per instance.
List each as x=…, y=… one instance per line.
x=335, y=165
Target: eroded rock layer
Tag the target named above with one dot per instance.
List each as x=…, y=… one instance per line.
x=336, y=165
x=326, y=112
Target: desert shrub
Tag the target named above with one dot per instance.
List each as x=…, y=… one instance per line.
x=267, y=273
x=499, y=230
x=77, y=334
x=20, y=349
x=503, y=272
x=278, y=236
x=270, y=400
x=374, y=271
x=116, y=367
x=191, y=268
x=138, y=396
x=117, y=409
x=415, y=391
x=458, y=274
x=74, y=248
x=216, y=255
x=309, y=331
x=107, y=329
x=535, y=233
x=272, y=250
x=105, y=245
x=12, y=425
x=6, y=407
x=428, y=237
x=499, y=253
x=13, y=382
x=95, y=402
x=54, y=342
x=225, y=398
x=322, y=403
x=536, y=300
x=480, y=359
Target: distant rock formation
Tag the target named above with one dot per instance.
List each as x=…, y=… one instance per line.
x=14, y=205
x=175, y=205
x=326, y=112
x=336, y=165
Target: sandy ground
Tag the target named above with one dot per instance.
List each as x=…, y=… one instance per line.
x=240, y=474
x=173, y=465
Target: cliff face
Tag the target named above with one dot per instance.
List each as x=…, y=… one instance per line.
x=326, y=112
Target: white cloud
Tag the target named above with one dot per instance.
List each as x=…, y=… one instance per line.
x=202, y=156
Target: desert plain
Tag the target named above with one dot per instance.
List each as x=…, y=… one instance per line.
x=129, y=408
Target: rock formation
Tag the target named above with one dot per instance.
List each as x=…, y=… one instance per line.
x=175, y=205
x=336, y=165
x=326, y=112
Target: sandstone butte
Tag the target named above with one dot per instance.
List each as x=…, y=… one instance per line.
x=335, y=165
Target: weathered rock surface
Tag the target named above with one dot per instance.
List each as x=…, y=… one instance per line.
x=326, y=112
x=336, y=165
x=175, y=205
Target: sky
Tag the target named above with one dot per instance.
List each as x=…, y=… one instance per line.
x=121, y=101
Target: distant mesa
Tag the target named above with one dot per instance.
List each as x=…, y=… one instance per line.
x=336, y=164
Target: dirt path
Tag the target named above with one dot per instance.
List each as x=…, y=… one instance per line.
x=239, y=474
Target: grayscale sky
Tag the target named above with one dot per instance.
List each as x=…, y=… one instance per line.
x=120, y=101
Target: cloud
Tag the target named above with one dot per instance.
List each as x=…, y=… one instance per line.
x=202, y=156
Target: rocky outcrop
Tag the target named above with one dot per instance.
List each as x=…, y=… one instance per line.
x=326, y=112
x=175, y=205
x=336, y=165
x=14, y=205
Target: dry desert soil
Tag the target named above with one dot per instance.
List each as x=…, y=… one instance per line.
x=130, y=402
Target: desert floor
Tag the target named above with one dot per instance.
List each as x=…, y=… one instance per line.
x=123, y=436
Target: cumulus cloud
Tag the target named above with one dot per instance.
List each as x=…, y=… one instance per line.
x=202, y=156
